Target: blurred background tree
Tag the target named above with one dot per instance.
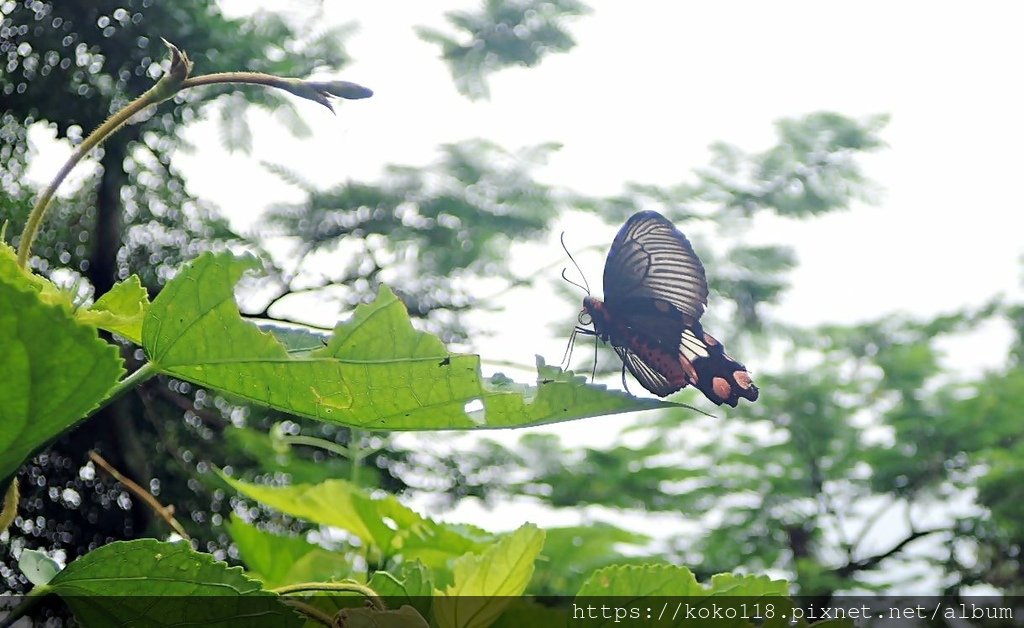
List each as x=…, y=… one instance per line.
x=865, y=426
x=69, y=66
x=501, y=35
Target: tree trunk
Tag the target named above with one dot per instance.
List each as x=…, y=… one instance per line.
x=114, y=428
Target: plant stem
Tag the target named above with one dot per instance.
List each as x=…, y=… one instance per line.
x=355, y=451
x=31, y=599
x=311, y=611
x=358, y=454
x=347, y=586
x=142, y=374
x=113, y=123
x=175, y=80
x=313, y=441
x=164, y=512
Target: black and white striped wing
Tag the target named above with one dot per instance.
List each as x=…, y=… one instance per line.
x=651, y=266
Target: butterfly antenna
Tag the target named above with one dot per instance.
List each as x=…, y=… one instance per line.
x=586, y=286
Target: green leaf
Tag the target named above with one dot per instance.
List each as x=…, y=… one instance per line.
x=375, y=372
x=637, y=582
x=152, y=583
x=484, y=584
x=278, y=560
x=747, y=585
x=413, y=585
x=54, y=371
x=121, y=310
x=572, y=553
x=12, y=273
x=337, y=503
x=404, y=617
x=405, y=379
x=193, y=331
x=527, y=612
x=381, y=522
x=642, y=581
x=37, y=566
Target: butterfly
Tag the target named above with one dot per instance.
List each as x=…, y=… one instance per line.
x=655, y=293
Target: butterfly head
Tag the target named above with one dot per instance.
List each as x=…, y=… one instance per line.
x=593, y=310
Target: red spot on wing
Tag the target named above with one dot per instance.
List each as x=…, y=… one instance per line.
x=721, y=388
x=743, y=379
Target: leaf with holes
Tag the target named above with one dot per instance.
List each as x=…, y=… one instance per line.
x=193, y=331
x=376, y=370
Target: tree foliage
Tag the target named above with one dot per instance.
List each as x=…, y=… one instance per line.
x=501, y=35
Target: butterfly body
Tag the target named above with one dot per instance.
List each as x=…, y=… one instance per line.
x=655, y=293
x=614, y=330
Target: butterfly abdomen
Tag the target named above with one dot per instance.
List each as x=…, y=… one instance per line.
x=615, y=332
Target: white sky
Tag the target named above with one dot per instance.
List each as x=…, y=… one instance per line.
x=652, y=84
x=649, y=86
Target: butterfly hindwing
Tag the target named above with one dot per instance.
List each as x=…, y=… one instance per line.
x=714, y=372
x=649, y=376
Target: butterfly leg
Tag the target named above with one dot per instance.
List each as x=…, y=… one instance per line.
x=568, y=350
x=625, y=386
x=567, y=356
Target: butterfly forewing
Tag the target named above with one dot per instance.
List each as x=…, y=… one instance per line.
x=651, y=261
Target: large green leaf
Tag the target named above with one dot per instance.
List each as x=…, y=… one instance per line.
x=54, y=370
x=383, y=523
x=375, y=372
x=484, y=584
x=152, y=583
x=193, y=331
x=278, y=560
x=405, y=379
x=636, y=586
